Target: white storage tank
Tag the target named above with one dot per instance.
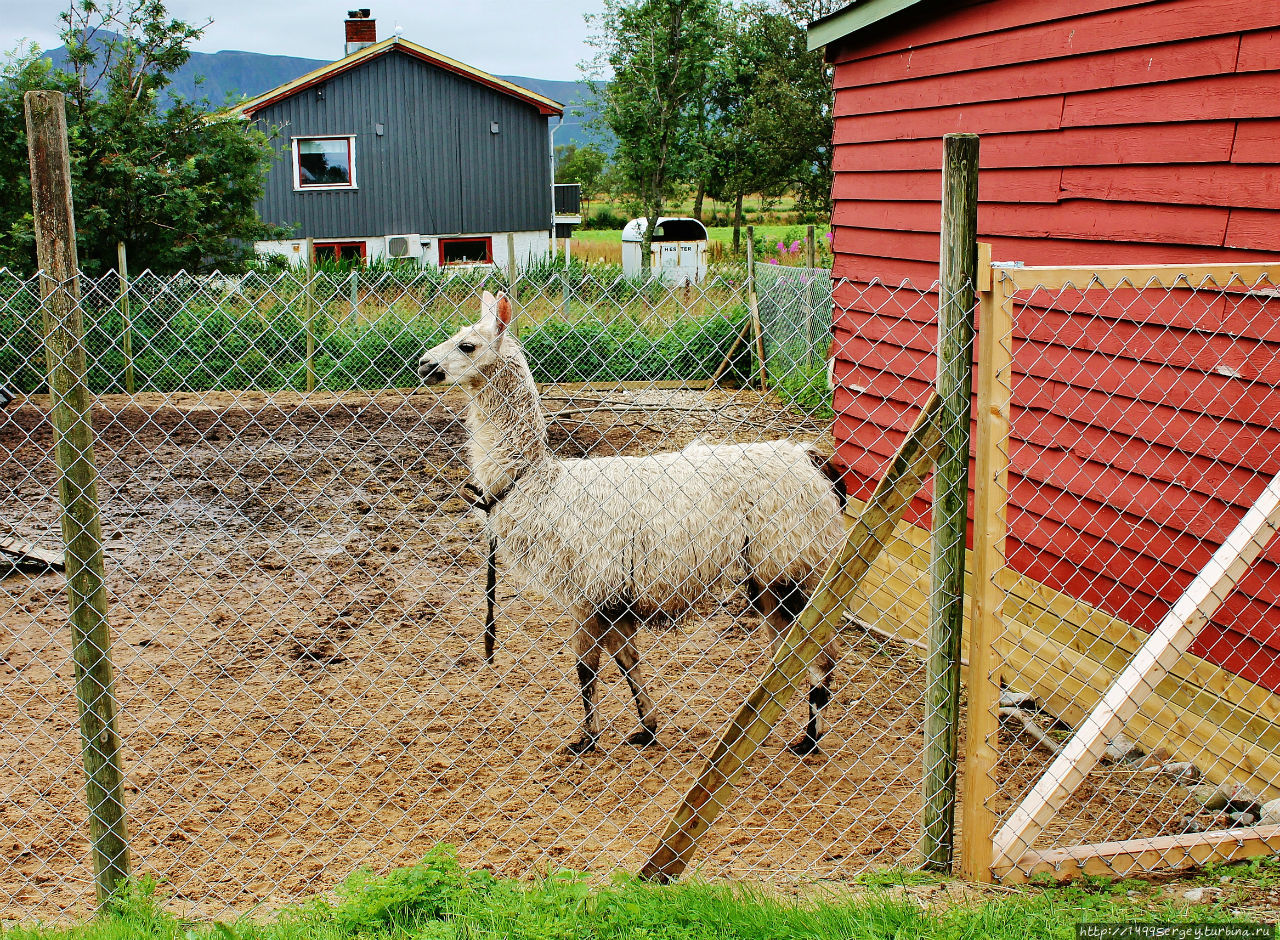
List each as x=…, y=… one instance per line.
x=679, y=249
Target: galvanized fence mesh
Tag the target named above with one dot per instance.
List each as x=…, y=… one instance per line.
x=296, y=523
x=297, y=592
x=1145, y=425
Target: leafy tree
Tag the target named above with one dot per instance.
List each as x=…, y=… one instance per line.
x=770, y=114
x=659, y=53
x=178, y=187
x=582, y=165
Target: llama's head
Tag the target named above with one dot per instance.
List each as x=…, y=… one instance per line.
x=466, y=356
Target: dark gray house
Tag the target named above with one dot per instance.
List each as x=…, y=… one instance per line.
x=398, y=151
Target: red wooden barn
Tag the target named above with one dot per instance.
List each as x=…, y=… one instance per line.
x=1113, y=131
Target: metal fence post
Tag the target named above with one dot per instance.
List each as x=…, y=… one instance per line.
x=77, y=487
x=958, y=281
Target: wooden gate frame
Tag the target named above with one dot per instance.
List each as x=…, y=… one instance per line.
x=1008, y=854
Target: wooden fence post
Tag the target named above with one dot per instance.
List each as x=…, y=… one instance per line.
x=77, y=486
x=122, y=271
x=811, y=266
x=986, y=608
x=753, y=305
x=309, y=313
x=958, y=281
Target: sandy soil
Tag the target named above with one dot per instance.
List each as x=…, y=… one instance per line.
x=297, y=592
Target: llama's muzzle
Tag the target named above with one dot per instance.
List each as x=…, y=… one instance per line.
x=430, y=372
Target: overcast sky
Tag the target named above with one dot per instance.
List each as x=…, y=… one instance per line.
x=535, y=38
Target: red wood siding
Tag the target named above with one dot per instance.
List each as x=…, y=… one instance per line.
x=1114, y=131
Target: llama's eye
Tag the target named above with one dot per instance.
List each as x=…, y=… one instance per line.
x=467, y=348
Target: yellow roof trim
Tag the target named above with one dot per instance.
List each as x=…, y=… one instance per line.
x=541, y=102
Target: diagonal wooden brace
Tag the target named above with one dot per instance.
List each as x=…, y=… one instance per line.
x=815, y=626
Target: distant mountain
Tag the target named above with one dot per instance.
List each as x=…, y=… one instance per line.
x=226, y=77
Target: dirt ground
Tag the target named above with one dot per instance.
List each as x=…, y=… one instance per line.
x=297, y=592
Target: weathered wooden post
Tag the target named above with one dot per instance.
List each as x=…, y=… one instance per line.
x=122, y=270
x=753, y=305
x=77, y=485
x=309, y=314
x=956, y=294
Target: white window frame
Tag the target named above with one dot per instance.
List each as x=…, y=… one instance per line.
x=322, y=187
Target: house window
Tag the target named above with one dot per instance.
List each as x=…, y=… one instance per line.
x=324, y=162
x=466, y=250
x=340, y=251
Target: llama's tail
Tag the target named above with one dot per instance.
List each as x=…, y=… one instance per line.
x=826, y=464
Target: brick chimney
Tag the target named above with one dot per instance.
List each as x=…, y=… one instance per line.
x=361, y=30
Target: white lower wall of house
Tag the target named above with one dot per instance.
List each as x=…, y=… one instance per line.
x=528, y=246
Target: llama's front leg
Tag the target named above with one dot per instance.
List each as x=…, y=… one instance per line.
x=819, y=696
x=586, y=645
x=782, y=603
x=621, y=643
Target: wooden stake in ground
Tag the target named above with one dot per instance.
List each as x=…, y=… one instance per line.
x=753, y=305
x=956, y=294
x=308, y=322
x=77, y=487
x=122, y=271
x=803, y=642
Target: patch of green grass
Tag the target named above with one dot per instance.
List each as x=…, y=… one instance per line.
x=806, y=390
x=440, y=898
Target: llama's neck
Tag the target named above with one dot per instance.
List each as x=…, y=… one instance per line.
x=508, y=428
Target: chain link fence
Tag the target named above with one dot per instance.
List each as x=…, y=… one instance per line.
x=1145, y=425
x=296, y=577
x=296, y=528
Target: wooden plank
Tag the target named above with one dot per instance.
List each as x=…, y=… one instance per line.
x=1078, y=218
x=1032, y=184
x=1169, y=641
x=26, y=555
x=711, y=790
x=1255, y=142
x=977, y=20
x=1209, y=184
x=990, y=527
x=1128, y=27
x=1260, y=50
x=1201, y=142
x=1208, y=97
x=1120, y=71
x=1159, y=853
x=993, y=117
x=1031, y=277
x=1254, y=228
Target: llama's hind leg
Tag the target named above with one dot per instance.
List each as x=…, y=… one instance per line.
x=782, y=603
x=586, y=646
x=620, y=641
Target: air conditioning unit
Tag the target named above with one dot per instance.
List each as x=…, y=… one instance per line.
x=404, y=246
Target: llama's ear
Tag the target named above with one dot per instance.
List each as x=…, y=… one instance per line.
x=504, y=312
x=488, y=306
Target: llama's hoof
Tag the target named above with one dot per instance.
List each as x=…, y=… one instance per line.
x=583, y=745
x=805, y=745
x=645, y=737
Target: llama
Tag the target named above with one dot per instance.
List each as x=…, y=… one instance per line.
x=616, y=539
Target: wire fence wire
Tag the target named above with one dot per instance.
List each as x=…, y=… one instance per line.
x=296, y=572
x=1145, y=424
x=296, y=596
